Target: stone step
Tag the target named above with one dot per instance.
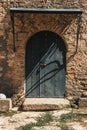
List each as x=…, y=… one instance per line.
x=35, y=104
x=5, y=105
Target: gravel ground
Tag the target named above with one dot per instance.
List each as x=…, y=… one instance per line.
x=14, y=121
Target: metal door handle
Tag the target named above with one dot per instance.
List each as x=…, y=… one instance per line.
x=42, y=65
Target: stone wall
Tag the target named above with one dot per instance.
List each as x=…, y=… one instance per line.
x=12, y=63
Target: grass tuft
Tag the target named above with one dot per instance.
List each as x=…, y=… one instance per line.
x=41, y=121
x=69, y=117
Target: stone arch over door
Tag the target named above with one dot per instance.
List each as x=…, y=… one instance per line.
x=45, y=65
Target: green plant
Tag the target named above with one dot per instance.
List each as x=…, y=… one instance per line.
x=41, y=121
x=74, y=102
x=69, y=117
x=47, y=118
x=29, y=126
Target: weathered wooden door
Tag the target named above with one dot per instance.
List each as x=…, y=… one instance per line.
x=45, y=66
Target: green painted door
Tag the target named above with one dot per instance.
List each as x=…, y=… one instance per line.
x=45, y=66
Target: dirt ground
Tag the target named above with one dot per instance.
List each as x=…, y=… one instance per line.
x=14, y=119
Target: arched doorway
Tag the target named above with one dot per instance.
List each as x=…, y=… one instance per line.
x=45, y=65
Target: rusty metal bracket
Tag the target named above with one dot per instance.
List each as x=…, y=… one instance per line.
x=79, y=21
x=13, y=30
x=47, y=10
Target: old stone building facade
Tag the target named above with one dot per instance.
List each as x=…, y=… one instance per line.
x=16, y=28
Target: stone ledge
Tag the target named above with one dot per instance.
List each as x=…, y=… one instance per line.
x=40, y=107
x=5, y=105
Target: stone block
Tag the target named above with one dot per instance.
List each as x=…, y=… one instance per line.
x=5, y=105
x=84, y=94
x=82, y=102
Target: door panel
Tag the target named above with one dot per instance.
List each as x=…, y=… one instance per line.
x=53, y=75
x=33, y=83
x=46, y=77
x=48, y=73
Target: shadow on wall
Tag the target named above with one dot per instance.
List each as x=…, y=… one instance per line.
x=7, y=90
x=6, y=53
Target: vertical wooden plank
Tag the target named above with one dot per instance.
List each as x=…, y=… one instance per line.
x=32, y=82
x=48, y=73
x=42, y=81
x=60, y=76
x=28, y=86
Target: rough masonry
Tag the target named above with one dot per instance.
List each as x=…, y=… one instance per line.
x=12, y=63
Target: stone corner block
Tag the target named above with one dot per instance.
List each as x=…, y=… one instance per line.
x=5, y=105
x=82, y=102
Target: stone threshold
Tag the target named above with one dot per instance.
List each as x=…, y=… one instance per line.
x=41, y=104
